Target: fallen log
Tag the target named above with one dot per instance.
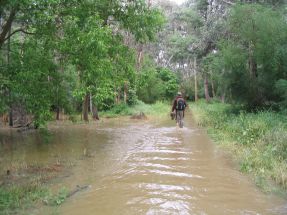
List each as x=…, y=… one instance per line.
x=77, y=189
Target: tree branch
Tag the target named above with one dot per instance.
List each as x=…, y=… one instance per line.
x=228, y=2
x=16, y=31
x=7, y=26
x=169, y=60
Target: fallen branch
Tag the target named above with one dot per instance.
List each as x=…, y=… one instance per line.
x=78, y=189
x=228, y=2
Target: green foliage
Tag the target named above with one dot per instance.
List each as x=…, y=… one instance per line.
x=30, y=83
x=156, y=84
x=150, y=87
x=179, y=47
x=240, y=48
x=13, y=198
x=170, y=81
x=57, y=199
x=257, y=139
x=157, y=109
x=281, y=88
x=276, y=142
x=106, y=66
x=68, y=50
x=132, y=96
x=118, y=110
x=143, y=22
x=202, y=6
x=190, y=17
x=258, y=34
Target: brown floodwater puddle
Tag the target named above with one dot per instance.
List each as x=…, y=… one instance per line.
x=140, y=167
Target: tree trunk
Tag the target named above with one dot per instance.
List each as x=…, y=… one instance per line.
x=11, y=117
x=59, y=60
x=7, y=27
x=9, y=92
x=58, y=105
x=58, y=113
x=252, y=62
x=149, y=3
x=223, y=98
x=95, y=113
x=213, y=90
x=86, y=108
x=119, y=96
x=91, y=103
x=206, y=92
x=195, y=81
x=125, y=92
x=115, y=93
x=139, y=56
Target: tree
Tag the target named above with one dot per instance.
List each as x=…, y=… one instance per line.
x=103, y=57
x=156, y=83
x=20, y=37
x=71, y=48
x=257, y=47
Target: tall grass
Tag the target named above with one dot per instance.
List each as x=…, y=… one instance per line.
x=14, y=198
x=258, y=140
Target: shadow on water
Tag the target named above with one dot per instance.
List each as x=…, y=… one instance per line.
x=145, y=167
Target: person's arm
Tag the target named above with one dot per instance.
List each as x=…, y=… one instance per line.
x=173, y=106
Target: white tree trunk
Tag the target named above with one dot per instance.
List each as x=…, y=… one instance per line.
x=195, y=80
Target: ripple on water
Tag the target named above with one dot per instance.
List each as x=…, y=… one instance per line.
x=171, y=207
x=176, y=174
x=156, y=158
x=162, y=151
x=165, y=170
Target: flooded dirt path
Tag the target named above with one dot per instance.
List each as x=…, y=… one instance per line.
x=144, y=167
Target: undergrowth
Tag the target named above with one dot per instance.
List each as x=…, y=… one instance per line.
x=16, y=198
x=157, y=109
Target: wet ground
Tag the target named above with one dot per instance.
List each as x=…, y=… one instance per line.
x=141, y=167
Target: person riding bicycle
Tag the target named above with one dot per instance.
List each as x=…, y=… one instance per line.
x=179, y=106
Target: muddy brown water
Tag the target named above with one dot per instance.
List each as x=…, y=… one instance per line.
x=140, y=167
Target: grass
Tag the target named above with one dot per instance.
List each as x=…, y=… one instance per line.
x=27, y=187
x=158, y=109
x=16, y=198
x=257, y=140
x=56, y=199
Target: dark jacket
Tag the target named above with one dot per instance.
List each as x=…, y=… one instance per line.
x=175, y=103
